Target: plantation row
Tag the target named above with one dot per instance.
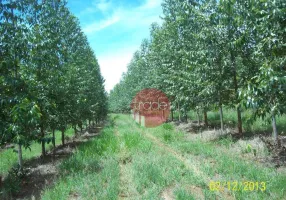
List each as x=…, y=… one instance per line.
x=50, y=78
x=211, y=54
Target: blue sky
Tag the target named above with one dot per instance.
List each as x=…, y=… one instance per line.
x=115, y=29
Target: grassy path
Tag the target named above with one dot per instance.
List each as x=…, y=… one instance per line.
x=124, y=166
x=132, y=162
x=188, y=163
x=219, y=163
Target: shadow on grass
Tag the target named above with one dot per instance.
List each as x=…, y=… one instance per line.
x=40, y=173
x=278, y=152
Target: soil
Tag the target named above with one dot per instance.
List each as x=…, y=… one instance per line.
x=167, y=194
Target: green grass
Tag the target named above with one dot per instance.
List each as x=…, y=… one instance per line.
x=230, y=167
x=148, y=169
x=152, y=169
x=9, y=158
x=91, y=173
x=182, y=194
x=124, y=162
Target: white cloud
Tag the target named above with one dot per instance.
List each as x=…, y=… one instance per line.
x=140, y=16
x=102, y=5
x=97, y=26
x=97, y=5
x=112, y=65
x=149, y=4
x=114, y=62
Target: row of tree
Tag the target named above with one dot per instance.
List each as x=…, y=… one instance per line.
x=49, y=76
x=208, y=54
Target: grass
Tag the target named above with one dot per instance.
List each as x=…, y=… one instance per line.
x=124, y=162
x=230, y=167
x=91, y=173
x=182, y=194
x=9, y=158
x=123, y=153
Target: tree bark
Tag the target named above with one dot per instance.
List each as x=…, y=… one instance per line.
x=275, y=134
x=43, y=142
x=221, y=117
x=198, y=114
x=63, y=137
x=206, y=118
x=75, y=131
x=179, y=111
x=54, y=139
x=20, y=157
x=239, y=120
x=186, y=116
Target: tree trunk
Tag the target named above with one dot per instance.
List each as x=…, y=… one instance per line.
x=186, y=116
x=179, y=111
x=275, y=134
x=221, y=117
x=239, y=121
x=43, y=141
x=206, y=118
x=75, y=131
x=198, y=114
x=172, y=115
x=63, y=137
x=20, y=157
x=54, y=139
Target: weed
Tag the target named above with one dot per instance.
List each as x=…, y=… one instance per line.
x=131, y=139
x=12, y=183
x=167, y=126
x=182, y=194
x=225, y=141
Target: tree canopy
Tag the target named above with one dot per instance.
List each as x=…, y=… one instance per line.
x=49, y=75
x=209, y=54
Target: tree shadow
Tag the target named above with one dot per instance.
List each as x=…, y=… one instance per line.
x=40, y=173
